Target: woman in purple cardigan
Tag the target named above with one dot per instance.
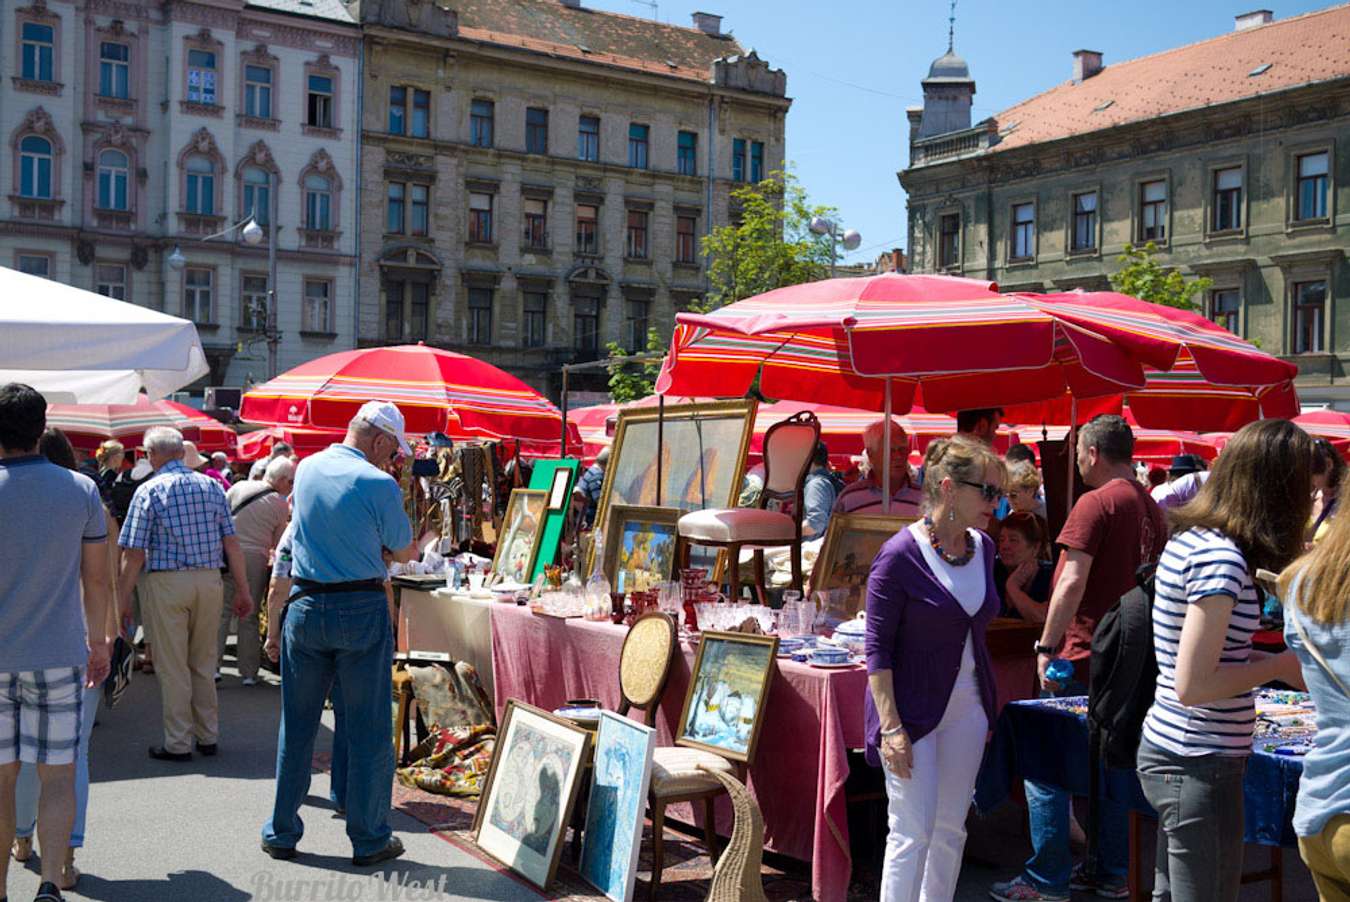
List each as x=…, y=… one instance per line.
x=930, y=597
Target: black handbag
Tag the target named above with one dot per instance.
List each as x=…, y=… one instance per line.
x=121, y=659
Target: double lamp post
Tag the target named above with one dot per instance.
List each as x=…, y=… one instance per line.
x=253, y=234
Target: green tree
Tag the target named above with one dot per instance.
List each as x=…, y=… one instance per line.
x=771, y=245
x=630, y=381
x=1143, y=277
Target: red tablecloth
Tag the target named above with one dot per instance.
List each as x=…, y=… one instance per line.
x=813, y=718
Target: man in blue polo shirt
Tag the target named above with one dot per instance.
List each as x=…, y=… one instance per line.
x=54, y=534
x=346, y=514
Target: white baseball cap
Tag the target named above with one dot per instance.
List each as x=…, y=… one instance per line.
x=387, y=418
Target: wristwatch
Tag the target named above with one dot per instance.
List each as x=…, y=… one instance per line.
x=1040, y=649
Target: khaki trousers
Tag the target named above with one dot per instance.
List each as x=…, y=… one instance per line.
x=248, y=652
x=183, y=610
x=1328, y=857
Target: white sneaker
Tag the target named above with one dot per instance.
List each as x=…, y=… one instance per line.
x=250, y=681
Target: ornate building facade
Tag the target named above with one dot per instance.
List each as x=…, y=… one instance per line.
x=1231, y=155
x=536, y=177
x=138, y=127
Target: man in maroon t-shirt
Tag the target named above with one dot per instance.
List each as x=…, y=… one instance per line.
x=1111, y=531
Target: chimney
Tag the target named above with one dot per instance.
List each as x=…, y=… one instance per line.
x=1086, y=63
x=708, y=24
x=1253, y=19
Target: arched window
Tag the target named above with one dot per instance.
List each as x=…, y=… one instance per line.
x=257, y=200
x=201, y=186
x=318, y=203
x=35, y=167
x=113, y=168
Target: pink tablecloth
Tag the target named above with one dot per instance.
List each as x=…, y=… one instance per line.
x=813, y=718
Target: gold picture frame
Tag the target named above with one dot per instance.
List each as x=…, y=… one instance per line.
x=851, y=543
x=519, y=536
x=703, y=450
x=540, y=759
x=729, y=666
x=654, y=548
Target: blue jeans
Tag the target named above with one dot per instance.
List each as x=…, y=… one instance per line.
x=337, y=774
x=26, y=790
x=345, y=636
x=1048, y=807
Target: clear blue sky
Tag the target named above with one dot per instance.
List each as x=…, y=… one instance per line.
x=853, y=67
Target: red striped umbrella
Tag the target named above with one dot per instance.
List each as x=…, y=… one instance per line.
x=1198, y=375
x=89, y=425
x=305, y=441
x=957, y=343
x=437, y=390
x=209, y=434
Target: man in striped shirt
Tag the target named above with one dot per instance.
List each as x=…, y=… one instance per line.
x=864, y=495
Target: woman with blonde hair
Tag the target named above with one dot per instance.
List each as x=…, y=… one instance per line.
x=1197, y=735
x=930, y=598
x=109, y=457
x=1317, y=630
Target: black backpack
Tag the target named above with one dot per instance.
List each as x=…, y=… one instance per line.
x=1123, y=675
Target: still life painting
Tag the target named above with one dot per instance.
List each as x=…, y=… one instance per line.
x=730, y=685
x=614, y=814
x=524, y=811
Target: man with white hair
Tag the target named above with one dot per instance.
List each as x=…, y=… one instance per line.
x=260, y=512
x=347, y=516
x=176, y=528
x=865, y=495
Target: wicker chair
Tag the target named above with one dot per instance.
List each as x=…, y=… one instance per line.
x=736, y=878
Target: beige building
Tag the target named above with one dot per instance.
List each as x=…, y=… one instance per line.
x=536, y=176
x=1231, y=154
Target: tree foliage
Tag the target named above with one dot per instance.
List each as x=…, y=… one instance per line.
x=770, y=246
x=631, y=381
x=1143, y=277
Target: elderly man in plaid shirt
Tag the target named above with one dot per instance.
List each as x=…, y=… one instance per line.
x=176, y=528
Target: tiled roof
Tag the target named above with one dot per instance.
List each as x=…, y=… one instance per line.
x=547, y=26
x=1314, y=47
x=332, y=10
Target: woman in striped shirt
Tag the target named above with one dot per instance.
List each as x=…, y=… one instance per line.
x=1249, y=515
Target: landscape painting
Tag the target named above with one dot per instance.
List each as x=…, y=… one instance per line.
x=730, y=685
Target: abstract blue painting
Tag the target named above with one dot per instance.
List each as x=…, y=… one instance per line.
x=619, y=780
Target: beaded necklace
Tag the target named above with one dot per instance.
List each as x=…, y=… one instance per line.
x=955, y=560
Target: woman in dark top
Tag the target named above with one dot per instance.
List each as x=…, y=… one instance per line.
x=1327, y=473
x=930, y=597
x=1022, y=573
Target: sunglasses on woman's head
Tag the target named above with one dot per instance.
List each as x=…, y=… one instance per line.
x=987, y=492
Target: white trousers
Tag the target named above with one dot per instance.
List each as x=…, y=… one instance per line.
x=927, y=813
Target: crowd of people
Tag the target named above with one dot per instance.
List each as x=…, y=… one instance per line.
x=187, y=548
x=190, y=548
x=1268, y=505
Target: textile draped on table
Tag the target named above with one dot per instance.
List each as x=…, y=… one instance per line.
x=454, y=759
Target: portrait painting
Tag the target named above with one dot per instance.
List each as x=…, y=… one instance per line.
x=702, y=451
x=725, y=703
x=531, y=787
x=640, y=546
x=518, y=539
x=614, y=815
x=851, y=543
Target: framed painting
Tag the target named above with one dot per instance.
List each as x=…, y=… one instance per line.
x=545, y=478
x=518, y=539
x=620, y=777
x=702, y=451
x=724, y=707
x=640, y=546
x=558, y=494
x=851, y=543
x=531, y=787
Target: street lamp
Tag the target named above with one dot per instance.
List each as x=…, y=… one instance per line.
x=253, y=234
x=850, y=239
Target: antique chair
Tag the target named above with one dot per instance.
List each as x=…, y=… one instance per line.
x=681, y=774
x=644, y=664
x=788, y=448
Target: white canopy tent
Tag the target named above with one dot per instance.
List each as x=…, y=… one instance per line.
x=79, y=347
